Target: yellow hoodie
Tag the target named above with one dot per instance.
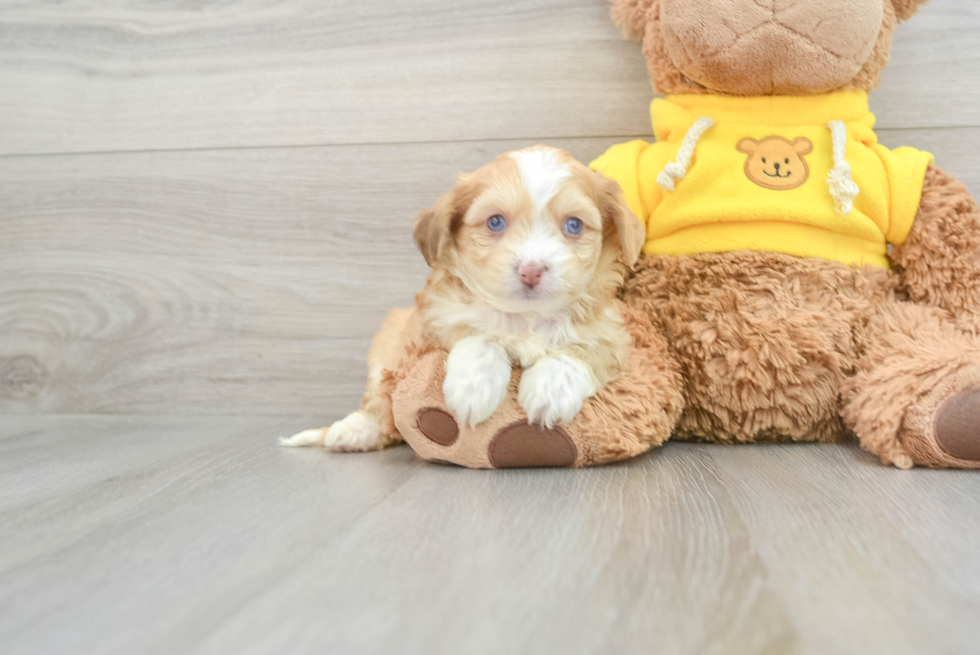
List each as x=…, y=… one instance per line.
x=762, y=174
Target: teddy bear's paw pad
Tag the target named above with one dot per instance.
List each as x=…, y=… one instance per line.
x=437, y=425
x=958, y=425
x=523, y=445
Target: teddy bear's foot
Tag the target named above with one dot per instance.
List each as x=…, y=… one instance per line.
x=518, y=444
x=629, y=416
x=915, y=399
x=437, y=425
x=492, y=444
x=943, y=428
x=958, y=425
x=523, y=444
x=622, y=421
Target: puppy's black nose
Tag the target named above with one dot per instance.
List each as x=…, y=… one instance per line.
x=777, y=167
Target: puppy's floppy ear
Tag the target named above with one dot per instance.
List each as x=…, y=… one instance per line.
x=617, y=215
x=905, y=9
x=435, y=226
x=632, y=16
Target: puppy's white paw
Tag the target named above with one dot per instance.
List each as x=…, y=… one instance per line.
x=357, y=432
x=477, y=376
x=552, y=390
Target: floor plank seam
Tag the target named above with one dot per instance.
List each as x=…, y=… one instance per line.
x=363, y=144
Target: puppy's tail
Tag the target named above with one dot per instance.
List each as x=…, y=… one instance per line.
x=305, y=438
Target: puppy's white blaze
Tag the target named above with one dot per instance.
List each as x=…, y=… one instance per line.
x=542, y=173
x=543, y=244
x=546, y=246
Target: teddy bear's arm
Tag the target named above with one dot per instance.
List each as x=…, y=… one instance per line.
x=939, y=261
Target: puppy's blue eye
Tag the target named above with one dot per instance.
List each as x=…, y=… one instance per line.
x=574, y=226
x=496, y=223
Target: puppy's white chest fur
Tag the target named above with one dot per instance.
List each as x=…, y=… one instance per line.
x=526, y=337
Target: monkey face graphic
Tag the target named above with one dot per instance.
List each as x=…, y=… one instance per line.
x=776, y=163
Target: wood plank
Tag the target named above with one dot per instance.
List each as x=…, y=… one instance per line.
x=200, y=535
x=815, y=532
x=230, y=281
x=86, y=77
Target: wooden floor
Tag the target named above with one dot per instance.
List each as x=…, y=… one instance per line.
x=205, y=211
x=197, y=535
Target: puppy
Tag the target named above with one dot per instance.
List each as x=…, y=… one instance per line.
x=527, y=254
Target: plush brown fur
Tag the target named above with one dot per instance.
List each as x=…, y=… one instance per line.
x=905, y=9
x=767, y=347
x=749, y=346
x=626, y=418
x=764, y=340
x=940, y=261
x=641, y=19
x=911, y=358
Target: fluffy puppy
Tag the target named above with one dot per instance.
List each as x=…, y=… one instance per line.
x=527, y=255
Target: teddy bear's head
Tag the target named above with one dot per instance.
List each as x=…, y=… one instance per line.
x=763, y=47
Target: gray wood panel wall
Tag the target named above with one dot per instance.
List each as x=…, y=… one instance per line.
x=206, y=208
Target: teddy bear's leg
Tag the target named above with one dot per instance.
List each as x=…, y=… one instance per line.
x=504, y=440
x=629, y=416
x=764, y=340
x=915, y=398
x=939, y=263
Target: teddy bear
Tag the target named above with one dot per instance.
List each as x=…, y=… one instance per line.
x=799, y=282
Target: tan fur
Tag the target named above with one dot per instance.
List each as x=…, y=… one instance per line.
x=905, y=9
x=762, y=48
x=632, y=414
x=400, y=331
x=612, y=242
x=774, y=348
x=632, y=16
x=752, y=346
x=434, y=227
x=764, y=340
x=642, y=19
x=467, y=292
x=940, y=260
x=907, y=352
x=623, y=233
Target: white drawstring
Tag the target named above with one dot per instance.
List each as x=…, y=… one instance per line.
x=676, y=170
x=842, y=186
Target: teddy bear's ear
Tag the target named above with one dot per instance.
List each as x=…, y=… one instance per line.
x=632, y=16
x=905, y=9
x=748, y=146
x=802, y=146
